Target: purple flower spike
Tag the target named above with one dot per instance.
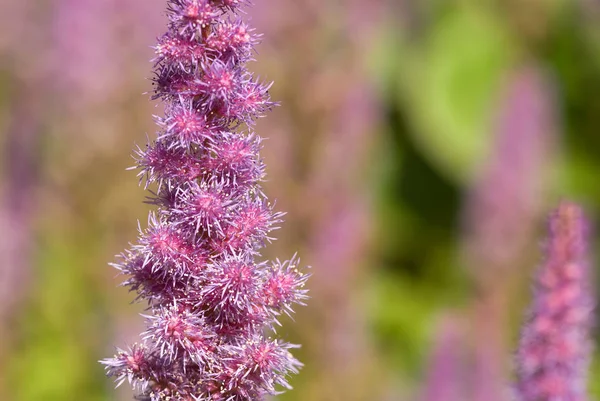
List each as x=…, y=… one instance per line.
x=552, y=358
x=503, y=207
x=501, y=214
x=211, y=305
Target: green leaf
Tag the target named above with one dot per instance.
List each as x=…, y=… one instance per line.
x=450, y=92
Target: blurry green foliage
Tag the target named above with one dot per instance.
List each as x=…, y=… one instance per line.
x=447, y=82
x=60, y=335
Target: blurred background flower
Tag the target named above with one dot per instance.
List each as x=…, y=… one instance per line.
x=417, y=146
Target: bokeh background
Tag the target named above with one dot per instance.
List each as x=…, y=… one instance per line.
x=418, y=146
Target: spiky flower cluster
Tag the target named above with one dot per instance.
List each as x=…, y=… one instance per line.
x=212, y=306
x=554, y=348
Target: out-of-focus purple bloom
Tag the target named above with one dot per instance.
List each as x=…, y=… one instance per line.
x=337, y=124
x=504, y=203
x=18, y=203
x=341, y=235
x=445, y=378
x=554, y=349
x=83, y=33
x=211, y=304
x=82, y=40
x=501, y=214
x=25, y=123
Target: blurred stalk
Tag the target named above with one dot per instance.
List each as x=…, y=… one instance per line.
x=331, y=112
x=101, y=61
x=340, y=240
x=501, y=214
x=530, y=20
x=65, y=58
x=21, y=145
x=18, y=206
x=445, y=380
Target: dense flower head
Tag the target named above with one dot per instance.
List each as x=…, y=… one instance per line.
x=211, y=304
x=554, y=347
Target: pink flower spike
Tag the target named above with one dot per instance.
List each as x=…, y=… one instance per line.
x=554, y=349
x=212, y=306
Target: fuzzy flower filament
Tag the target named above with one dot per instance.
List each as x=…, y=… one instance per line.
x=211, y=304
x=552, y=358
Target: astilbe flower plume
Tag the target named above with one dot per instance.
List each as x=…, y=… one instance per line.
x=552, y=358
x=211, y=304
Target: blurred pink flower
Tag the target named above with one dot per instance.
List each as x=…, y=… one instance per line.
x=555, y=346
x=336, y=116
x=18, y=203
x=446, y=373
x=504, y=204
x=84, y=35
x=500, y=216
